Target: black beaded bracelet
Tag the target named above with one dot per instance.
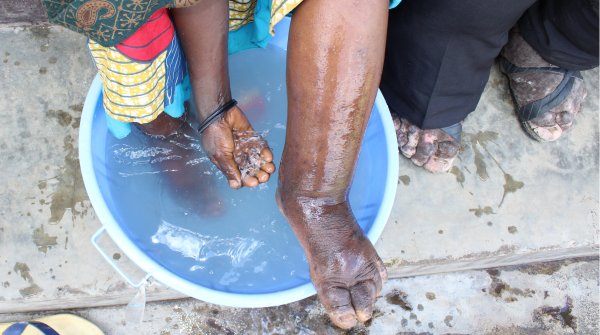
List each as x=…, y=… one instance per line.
x=215, y=115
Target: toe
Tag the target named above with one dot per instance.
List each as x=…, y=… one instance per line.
x=437, y=164
x=424, y=151
x=383, y=276
x=565, y=119
x=363, y=299
x=447, y=149
x=413, y=135
x=545, y=120
x=337, y=303
x=551, y=133
x=402, y=139
x=408, y=151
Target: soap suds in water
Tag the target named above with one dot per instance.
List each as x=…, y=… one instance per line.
x=203, y=247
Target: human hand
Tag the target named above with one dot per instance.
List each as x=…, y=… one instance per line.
x=237, y=150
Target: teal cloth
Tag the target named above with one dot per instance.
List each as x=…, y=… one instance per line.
x=394, y=3
x=256, y=34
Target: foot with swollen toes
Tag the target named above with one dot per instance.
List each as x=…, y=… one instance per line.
x=344, y=266
x=433, y=149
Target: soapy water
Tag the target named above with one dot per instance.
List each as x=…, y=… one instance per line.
x=201, y=247
x=178, y=205
x=250, y=144
x=177, y=208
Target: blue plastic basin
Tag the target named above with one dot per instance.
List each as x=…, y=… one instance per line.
x=134, y=226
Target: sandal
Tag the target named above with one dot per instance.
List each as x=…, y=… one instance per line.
x=544, y=113
x=60, y=324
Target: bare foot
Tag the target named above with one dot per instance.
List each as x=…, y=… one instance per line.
x=344, y=267
x=189, y=185
x=433, y=149
x=532, y=79
x=551, y=125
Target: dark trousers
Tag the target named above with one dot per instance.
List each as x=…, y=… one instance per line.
x=439, y=52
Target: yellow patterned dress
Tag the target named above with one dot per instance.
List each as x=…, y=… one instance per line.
x=135, y=48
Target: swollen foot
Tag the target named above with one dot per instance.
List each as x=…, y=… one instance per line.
x=190, y=185
x=345, y=268
x=433, y=149
x=547, y=97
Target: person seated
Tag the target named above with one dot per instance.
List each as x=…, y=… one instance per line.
x=334, y=68
x=436, y=67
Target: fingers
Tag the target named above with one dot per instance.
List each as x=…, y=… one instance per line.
x=250, y=181
x=268, y=168
x=227, y=165
x=268, y=165
x=266, y=154
x=252, y=161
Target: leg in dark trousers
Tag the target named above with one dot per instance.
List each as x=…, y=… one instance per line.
x=563, y=32
x=438, y=59
x=554, y=39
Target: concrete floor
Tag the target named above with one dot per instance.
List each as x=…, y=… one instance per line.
x=508, y=201
x=547, y=298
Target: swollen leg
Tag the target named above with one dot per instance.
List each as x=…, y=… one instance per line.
x=335, y=56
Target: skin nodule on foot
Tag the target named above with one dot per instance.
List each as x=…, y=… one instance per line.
x=432, y=149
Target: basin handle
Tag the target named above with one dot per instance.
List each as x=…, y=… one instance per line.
x=125, y=276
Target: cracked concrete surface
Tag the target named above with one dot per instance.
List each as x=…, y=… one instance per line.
x=508, y=201
x=545, y=298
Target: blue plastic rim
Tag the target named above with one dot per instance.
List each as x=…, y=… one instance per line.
x=379, y=142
